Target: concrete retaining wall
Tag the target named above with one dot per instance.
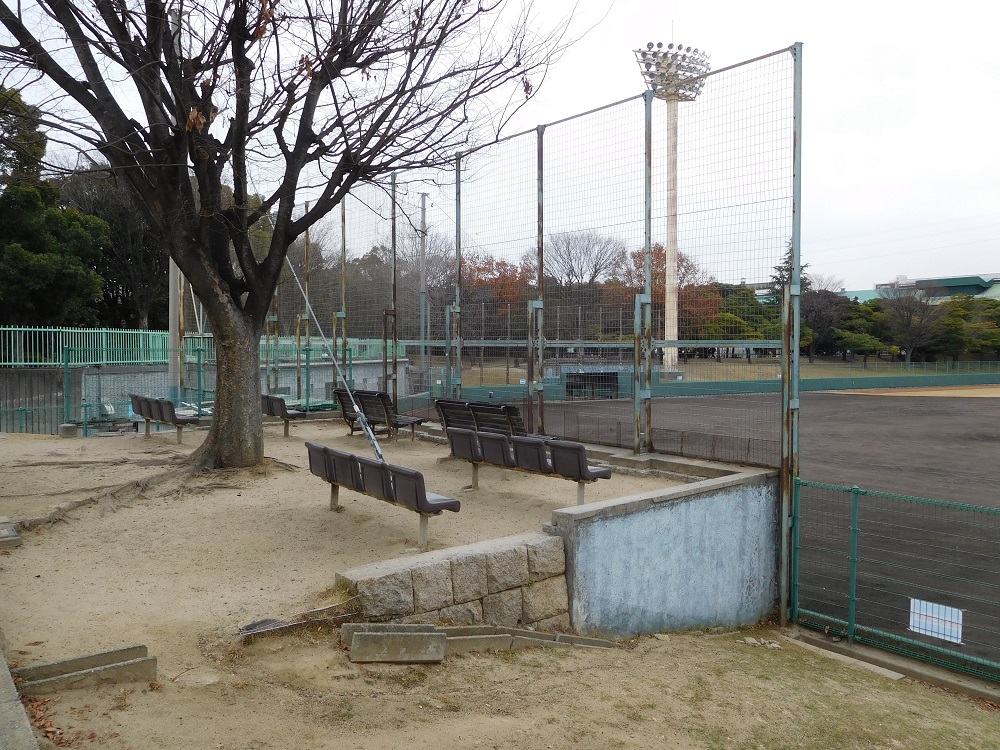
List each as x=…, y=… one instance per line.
x=701, y=555
x=512, y=581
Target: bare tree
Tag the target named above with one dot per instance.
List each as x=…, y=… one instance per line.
x=822, y=282
x=582, y=258
x=292, y=99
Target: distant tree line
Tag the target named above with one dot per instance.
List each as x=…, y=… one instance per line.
x=75, y=251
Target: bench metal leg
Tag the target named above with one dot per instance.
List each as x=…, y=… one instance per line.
x=334, y=497
x=422, y=536
x=147, y=428
x=286, y=428
x=180, y=432
x=580, y=488
x=475, y=476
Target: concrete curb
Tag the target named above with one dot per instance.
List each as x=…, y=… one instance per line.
x=917, y=670
x=15, y=729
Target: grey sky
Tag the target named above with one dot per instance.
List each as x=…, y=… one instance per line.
x=901, y=172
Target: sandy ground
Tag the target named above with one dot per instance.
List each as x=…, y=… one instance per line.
x=136, y=551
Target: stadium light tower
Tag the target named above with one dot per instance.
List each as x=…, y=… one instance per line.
x=675, y=74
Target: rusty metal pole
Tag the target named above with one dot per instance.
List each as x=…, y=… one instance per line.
x=456, y=310
x=538, y=384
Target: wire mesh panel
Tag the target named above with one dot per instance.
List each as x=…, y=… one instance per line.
x=908, y=574
x=499, y=249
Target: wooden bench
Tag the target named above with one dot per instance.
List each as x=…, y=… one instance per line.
x=397, y=485
x=274, y=406
x=161, y=410
x=535, y=455
x=379, y=410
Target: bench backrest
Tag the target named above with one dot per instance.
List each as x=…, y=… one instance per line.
x=514, y=417
x=455, y=414
x=137, y=407
x=372, y=406
x=569, y=459
x=530, y=454
x=464, y=444
x=344, y=469
x=155, y=411
x=490, y=418
x=344, y=400
x=317, y=460
x=496, y=449
x=411, y=492
x=376, y=479
x=265, y=405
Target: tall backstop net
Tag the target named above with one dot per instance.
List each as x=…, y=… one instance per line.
x=619, y=274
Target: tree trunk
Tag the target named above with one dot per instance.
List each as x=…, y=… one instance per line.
x=235, y=438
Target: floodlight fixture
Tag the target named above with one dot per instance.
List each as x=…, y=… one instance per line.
x=676, y=72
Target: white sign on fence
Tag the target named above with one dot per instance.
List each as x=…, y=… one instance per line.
x=936, y=620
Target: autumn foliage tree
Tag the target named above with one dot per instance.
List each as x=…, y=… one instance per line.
x=296, y=101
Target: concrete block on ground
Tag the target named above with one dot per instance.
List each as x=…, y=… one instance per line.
x=468, y=578
x=65, y=666
x=432, y=588
x=348, y=629
x=9, y=538
x=506, y=568
x=520, y=642
x=545, y=599
x=546, y=556
x=390, y=595
x=136, y=670
x=582, y=640
x=459, y=631
x=469, y=613
x=503, y=608
x=399, y=648
x=525, y=633
x=467, y=644
x=68, y=430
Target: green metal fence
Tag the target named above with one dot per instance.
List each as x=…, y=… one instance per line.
x=911, y=575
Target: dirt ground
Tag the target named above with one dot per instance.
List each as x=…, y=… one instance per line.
x=125, y=547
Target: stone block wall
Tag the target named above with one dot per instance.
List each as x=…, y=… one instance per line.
x=512, y=581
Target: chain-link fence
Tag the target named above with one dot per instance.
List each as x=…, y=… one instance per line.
x=623, y=266
x=907, y=574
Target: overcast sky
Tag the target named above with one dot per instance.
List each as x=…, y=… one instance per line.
x=901, y=122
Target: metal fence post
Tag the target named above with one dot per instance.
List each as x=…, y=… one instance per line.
x=852, y=586
x=796, y=516
x=307, y=350
x=200, y=352
x=66, y=385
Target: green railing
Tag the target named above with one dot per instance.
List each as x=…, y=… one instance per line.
x=912, y=575
x=34, y=347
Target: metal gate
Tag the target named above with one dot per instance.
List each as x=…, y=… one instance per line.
x=911, y=575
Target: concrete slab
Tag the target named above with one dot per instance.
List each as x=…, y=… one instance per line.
x=66, y=666
x=136, y=670
x=582, y=640
x=461, y=631
x=399, y=648
x=348, y=629
x=9, y=537
x=520, y=642
x=466, y=644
